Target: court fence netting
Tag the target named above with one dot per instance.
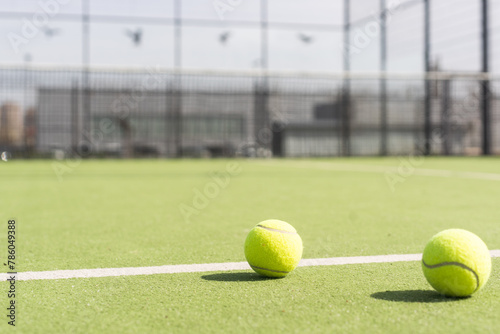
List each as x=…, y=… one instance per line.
x=92, y=113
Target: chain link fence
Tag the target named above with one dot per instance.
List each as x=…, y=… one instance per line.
x=155, y=113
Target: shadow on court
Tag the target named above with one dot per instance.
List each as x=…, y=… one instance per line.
x=236, y=277
x=414, y=296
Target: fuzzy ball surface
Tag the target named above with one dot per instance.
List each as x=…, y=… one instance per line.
x=273, y=248
x=456, y=263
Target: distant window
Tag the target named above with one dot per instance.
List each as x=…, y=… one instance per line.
x=330, y=111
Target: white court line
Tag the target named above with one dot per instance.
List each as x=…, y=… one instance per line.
x=198, y=268
x=342, y=167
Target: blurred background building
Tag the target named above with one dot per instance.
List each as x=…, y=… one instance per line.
x=11, y=125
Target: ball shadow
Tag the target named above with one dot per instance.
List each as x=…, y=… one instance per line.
x=236, y=277
x=414, y=296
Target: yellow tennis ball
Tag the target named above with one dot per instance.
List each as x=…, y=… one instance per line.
x=456, y=263
x=273, y=248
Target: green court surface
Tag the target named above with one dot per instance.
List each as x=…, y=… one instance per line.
x=113, y=214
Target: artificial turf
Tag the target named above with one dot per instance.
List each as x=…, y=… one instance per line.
x=369, y=298
x=105, y=213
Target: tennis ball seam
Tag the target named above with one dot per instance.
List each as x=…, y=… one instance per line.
x=274, y=271
x=276, y=230
x=458, y=264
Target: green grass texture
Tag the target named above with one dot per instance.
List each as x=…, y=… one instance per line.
x=107, y=214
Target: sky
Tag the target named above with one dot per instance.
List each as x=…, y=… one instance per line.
x=315, y=45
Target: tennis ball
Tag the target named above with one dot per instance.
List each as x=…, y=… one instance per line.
x=273, y=248
x=456, y=263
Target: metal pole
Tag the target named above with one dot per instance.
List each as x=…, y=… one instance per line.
x=177, y=86
x=445, y=118
x=178, y=35
x=27, y=59
x=485, y=89
x=345, y=96
x=347, y=48
x=383, y=81
x=74, y=117
x=427, y=51
x=264, y=37
x=86, y=33
x=262, y=118
x=84, y=150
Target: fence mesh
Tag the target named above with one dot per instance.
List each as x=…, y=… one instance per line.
x=154, y=113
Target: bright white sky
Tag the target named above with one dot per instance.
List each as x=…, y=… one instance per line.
x=455, y=31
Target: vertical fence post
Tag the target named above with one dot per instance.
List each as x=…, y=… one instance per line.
x=74, y=118
x=445, y=117
x=177, y=101
x=485, y=87
x=427, y=60
x=172, y=133
x=263, y=132
x=27, y=59
x=346, y=145
x=264, y=36
x=383, y=80
x=262, y=129
x=86, y=96
x=277, y=143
